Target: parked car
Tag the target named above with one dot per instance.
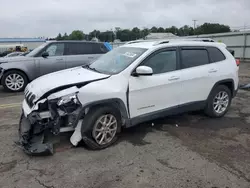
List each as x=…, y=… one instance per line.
x=4, y=53
x=13, y=54
x=16, y=73
x=131, y=84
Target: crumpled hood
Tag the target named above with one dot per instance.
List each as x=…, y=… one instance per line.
x=62, y=79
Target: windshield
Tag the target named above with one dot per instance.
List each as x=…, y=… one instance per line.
x=36, y=50
x=117, y=60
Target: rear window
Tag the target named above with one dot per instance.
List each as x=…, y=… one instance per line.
x=215, y=54
x=194, y=57
x=85, y=48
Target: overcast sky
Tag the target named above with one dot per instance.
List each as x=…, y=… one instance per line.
x=33, y=18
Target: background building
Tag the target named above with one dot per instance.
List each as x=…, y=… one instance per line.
x=155, y=36
x=30, y=43
x=237, y=41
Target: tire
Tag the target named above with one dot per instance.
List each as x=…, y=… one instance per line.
x=90, y=127
x=18, y=86
x=212, y=108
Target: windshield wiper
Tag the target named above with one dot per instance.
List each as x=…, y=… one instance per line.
x=91, y=68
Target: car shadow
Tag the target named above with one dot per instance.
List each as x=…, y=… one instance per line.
x=4, y=93
x=186, y=123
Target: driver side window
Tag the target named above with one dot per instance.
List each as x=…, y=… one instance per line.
x=162, y=62
x=55, y=49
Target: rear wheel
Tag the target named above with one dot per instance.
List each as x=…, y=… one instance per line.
x=103, y=124
x=14, y=81
x=219, y=101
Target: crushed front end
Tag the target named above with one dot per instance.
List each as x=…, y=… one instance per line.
x=47, y=117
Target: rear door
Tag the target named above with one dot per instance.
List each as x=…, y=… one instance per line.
x=55, y=61
x=196, y=74
x=83, y=53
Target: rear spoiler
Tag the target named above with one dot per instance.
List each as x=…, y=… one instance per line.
x=231, y=51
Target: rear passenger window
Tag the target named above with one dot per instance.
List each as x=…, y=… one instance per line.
x=215, y=54
x=194, y=57
x=85, y=48
x=74, y=49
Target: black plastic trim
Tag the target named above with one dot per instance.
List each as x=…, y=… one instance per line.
x=116, y=102
x=167, y=112
x=223, y=82
x=127, y=97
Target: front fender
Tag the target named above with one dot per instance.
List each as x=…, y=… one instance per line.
x=27, y=67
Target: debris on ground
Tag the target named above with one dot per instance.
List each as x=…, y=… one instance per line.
x=245, y=86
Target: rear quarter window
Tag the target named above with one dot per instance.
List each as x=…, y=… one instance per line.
x=215, y=54
x=99, y=48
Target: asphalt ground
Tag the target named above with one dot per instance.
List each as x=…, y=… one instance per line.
x=188, y=150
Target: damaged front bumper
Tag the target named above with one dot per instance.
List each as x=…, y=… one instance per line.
x=36, y=128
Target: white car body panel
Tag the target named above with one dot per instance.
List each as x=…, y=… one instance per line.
x=153, y=93
x=114, y=87
x=195, y=84
x=51, y=81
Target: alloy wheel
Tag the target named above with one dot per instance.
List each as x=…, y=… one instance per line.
x=105, y=129
x=221, y=102
x=14, y=82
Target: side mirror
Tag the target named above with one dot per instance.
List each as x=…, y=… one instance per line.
x=45, y=54
x=143, y=71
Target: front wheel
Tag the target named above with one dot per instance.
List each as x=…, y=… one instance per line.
x=101, y=126
x=219, y=101
x=14, y=81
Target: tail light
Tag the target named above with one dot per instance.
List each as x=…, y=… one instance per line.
x=237, y=62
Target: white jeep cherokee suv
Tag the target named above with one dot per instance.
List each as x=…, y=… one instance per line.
x=134, y=83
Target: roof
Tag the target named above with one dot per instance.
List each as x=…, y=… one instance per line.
x=170, y=42
x=22, y=40
x=160, y=35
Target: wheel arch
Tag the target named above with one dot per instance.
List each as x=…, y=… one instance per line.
x=227, y=82
x=15, y=69
x=113, y=102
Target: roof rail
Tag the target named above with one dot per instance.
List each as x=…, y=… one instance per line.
x=161, y=42
x=136, y=41
x=183, y=39
x=200, y=39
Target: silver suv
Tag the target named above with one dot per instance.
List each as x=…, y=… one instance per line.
x=16, y=73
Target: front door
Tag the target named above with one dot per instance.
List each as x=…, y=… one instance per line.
x=55, y=61
x=158, y=92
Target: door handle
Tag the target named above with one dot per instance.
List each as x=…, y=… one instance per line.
x=90, y=57
x=173, y=78
x=212, y=70
x=59, y=59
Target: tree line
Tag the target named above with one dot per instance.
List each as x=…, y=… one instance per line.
x=137, y=33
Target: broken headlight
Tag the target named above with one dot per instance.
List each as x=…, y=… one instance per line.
x=69, y=103
x=68, y=99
